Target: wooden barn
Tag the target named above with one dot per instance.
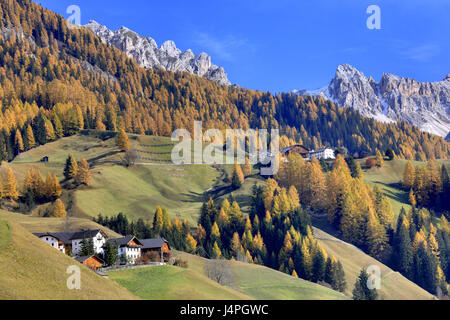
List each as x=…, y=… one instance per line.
x=92, y=262
x=297, y=148
x=159, y=245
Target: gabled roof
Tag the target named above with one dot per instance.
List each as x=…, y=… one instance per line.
x=154, y=243
x=284, y=150
x=124, y=242
x=85, y=234
x=84, y=258
x=64, y=237
x=67, y=237
x=320, y=150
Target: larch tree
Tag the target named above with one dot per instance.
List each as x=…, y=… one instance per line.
x=10, y=190
x=122, y=141
x=191, y=243
x=247, y=168
x=237, y=177
x=158, y=220
x=52, y=187
x=318, y=186
x=83, y=174
x=409, y=176
x=216, y=253
x=235, y=245
x=59, y=209
x=19, y=141
x=29, y=181
x=30, y=140
x=379, y=159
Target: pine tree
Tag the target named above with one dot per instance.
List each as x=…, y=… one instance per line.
x=59, y=210
x=402, y=250
x=341, y=283
x=10, y=185
x=87, y=248
x=122, y=141
x=361, y=290
x=111, y=254
x=83, y=174
x=390, y=154
x=318, y=266
x=71, y=168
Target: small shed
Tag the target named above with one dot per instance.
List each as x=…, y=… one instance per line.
x=93, y=262
x=44, y=159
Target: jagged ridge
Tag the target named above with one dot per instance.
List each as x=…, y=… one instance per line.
x=168, y=57
x=425, y=105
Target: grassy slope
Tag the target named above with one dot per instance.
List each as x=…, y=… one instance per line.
x=137, y=191
x=389, y=179
x=393, y=285
x=169, y=282
x=31, y=269
x=38, y=224
x=134, y=191
x=264, y=283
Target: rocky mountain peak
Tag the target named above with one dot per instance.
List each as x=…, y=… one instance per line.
x=425, y=105
x=167, y=57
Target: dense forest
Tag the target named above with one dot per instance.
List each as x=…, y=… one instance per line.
x=279, y=237
x=417, y=245
x=55, y=81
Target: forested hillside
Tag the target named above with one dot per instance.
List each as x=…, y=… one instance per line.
x=55, y=81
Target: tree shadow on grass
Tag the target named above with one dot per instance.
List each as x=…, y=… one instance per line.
x=399, y=196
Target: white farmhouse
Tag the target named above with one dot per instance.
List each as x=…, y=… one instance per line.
x=56, y=240
x=129, y=248
x=323, y=153
x=98, y=238
x=71, y=241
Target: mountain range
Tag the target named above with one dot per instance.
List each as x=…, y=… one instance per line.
x=425, y=105
x=167, y=57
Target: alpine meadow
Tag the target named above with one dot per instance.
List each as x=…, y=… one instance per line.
x=93, y=205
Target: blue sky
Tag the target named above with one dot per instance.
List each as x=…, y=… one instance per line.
x=281, y=45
